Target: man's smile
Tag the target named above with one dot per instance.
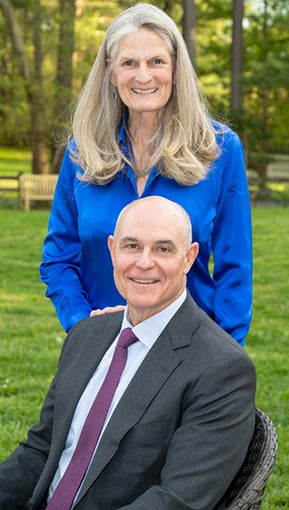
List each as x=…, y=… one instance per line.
x=143, y=281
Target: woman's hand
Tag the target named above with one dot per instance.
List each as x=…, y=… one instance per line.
x=107, y=309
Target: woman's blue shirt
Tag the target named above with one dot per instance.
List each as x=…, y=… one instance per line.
x=76, y=265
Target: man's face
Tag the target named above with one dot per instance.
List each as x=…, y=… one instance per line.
x=151, y=258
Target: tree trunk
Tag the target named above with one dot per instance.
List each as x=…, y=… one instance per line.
x=237, y=57
x=16, y=39
x=63, y=78
x=263, y=190
x=189, y=29
x=37, y=106
x=33, y=86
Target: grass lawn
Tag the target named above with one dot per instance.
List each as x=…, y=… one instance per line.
x=268, y=341
x=13, y=161
x=31, y=336
x=29, y=331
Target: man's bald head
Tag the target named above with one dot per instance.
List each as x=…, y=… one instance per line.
x=161, y=206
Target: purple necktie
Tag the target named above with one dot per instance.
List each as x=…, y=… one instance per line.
x=69, y=484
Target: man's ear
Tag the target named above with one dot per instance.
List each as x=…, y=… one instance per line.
x=111, y=247
x=191, y=256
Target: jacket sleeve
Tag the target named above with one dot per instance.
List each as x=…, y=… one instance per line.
x=18, y=477
x=60, y=268
x=209, y=446
x=232, y=243
x=20, y=472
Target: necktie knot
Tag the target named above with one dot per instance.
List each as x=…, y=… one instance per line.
x=127, y=337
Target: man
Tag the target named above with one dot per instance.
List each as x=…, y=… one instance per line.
x=181, y=419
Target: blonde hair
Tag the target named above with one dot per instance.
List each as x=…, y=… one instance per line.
x=184, y=143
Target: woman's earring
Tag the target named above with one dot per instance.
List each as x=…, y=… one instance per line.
x=174, y=91
x=115, y=93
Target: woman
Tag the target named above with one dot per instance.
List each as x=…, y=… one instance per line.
x=141, y=128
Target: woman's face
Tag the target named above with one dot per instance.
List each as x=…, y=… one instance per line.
x=143, y=72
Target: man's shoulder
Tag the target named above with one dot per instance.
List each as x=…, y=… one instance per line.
x=205, y=333
x=208, y=348
x=93, y=330
x=98, y=322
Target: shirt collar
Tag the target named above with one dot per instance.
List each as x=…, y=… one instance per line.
x=149, y=330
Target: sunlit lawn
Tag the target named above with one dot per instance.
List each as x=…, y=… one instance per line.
x=31, y=336
x=13, y=161
x=268, y=341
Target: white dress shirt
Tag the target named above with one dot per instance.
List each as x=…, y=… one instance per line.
x=147, y=332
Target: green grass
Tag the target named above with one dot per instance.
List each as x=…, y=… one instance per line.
x=268, y=341
x=29, y=331
x=13, y=161
x=31, y=336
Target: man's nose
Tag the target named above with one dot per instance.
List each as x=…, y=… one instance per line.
x=145, y=260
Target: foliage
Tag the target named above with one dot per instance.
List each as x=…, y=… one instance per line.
x=31, y=337
x=266, y=79
x=263, y=122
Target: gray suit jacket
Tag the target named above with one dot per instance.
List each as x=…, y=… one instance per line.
x=177, y=437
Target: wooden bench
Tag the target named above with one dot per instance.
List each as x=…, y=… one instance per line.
x=276, y=172
x=9, y=184
x=36, y=187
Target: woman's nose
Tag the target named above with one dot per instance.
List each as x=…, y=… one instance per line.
x=143, y=73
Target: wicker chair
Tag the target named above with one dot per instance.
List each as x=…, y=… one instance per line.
x=247, y=489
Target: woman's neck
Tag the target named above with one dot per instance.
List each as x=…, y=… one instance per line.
x=142, y=126
x=141, y=129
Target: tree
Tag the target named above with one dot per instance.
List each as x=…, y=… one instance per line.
x=39, y=76
x=213, y=42
x=63, y=90
x=32, y=82
x=189, y=29
x=237, y=56
x=266, y=85
x=37, y=101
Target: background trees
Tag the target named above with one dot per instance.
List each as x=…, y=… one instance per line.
x=266, y=84
x=240, y=49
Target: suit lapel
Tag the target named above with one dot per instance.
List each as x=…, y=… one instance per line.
x=157, y=367
x=75, y=376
